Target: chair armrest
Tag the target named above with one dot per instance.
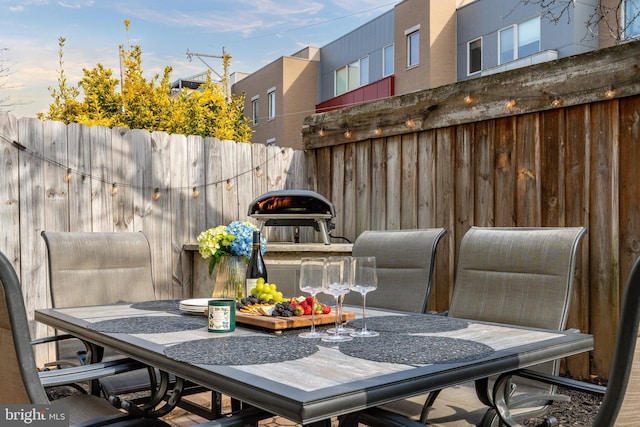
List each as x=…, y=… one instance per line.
x=52, y=338
x=82, y=354
x=89, y=372
x=568, y=383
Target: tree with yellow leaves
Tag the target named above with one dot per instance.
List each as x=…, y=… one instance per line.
x=148, y=104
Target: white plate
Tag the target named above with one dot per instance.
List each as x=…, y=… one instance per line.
x=199, y=311
x=195, y=303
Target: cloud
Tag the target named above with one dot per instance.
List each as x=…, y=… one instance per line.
x=79, y=4
x=243, y=16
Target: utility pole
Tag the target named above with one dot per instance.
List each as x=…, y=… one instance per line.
x=225, y=65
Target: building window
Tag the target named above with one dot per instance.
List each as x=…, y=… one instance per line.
x=271, y=142
x=529, y=37
x=506, y=45
x=518, y=41
x=474, y=56
x=341, y=81
x=413, y=46
x=631, y=18
x=364, y=71
x=271, y=99
x=387, y=63
x=352, y=76
x=254, y=110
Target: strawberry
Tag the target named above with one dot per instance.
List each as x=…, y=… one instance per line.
x=307, y=310
x=326, y=309
x=309, y=300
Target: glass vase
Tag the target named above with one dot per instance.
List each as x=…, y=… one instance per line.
x=229, y=273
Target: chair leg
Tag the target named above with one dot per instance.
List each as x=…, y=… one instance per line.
x=349, y=420
x=428, y=405
x=489, y=419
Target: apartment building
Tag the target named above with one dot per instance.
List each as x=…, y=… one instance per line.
x=391, y=54
x=421, y=44
x=279, y=96
x=498, y=35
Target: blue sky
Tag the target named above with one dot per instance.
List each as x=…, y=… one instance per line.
x=254, y=32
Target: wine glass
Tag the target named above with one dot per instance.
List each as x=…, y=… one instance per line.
x=312, y=274
x=337, y=283
x=342, y=329
x=365, y=280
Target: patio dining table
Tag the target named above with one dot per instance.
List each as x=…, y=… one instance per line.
x=306, y=380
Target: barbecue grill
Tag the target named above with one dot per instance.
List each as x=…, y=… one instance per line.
x=294, y=208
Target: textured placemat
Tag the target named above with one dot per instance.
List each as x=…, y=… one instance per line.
x=150, y=324
x=414, y=350
x=411, y=323
x=238, y=350
x=168, y=305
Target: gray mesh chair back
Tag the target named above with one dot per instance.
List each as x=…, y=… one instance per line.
x=517, y=275
x=405, y=261
x=521, y=276
x=95, y=269
x=98, y=268
x=21, y=383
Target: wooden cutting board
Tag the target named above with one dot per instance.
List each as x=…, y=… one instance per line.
x=280, y=323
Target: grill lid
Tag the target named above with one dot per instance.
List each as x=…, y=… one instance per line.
x=301, y=202
x=294, y=208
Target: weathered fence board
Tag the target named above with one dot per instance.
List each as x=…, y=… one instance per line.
x=408, y=181
x=426, y=197
x=362, y=173
x=79, y=186
x=378, y=184
x=484, y=177
x=445, y=214
x=349, y=190
x=527, y=160
x=394, y=183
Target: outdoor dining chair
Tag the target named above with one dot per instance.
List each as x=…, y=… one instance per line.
x=106, y=268
x=21, y=382
x=94, y=269
x=513, y=275
x=619, y=405
x=405, y=261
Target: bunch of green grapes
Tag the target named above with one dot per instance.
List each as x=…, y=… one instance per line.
x=267, y=291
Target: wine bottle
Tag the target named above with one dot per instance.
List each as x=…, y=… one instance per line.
x=256, y=268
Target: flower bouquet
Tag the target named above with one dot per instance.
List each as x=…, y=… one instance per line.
x=229, y=243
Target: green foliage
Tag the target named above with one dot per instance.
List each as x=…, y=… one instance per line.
x=148, y=104
x=64, y=104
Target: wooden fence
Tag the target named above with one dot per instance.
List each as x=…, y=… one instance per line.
x=550, y=145
x=77, y=178
x=456, y=164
